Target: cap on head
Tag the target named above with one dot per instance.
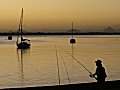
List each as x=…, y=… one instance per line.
x=98, y=61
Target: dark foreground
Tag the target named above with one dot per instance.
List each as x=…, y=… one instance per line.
x=109, y=85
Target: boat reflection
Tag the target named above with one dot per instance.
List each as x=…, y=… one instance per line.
x=21, y=53
x=73, y=50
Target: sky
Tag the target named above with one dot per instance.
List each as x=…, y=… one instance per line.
x=56, y=15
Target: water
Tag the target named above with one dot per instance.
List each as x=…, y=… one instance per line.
x=37, y=66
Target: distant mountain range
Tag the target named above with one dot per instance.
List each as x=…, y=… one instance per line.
x=87, y=29
x=112, y=29
x=74, y=31
x=109, y=29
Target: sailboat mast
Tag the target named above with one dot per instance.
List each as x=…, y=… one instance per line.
x=21, y=24
x=72, y=30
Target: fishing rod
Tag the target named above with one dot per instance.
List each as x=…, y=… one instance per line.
x=91, y=75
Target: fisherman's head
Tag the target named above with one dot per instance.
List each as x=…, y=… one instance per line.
x=98, y=63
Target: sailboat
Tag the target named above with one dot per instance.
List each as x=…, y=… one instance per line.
x=72, y=41
x=21, y=42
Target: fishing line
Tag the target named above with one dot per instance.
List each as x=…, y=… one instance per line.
x=65, y=66
x=77, y=61
x=57, y=65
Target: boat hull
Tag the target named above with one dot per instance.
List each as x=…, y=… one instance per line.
x=23, y=45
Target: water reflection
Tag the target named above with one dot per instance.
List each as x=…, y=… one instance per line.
x=73, y=50
x=21, y=53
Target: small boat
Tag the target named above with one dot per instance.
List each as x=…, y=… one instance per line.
x=9, y=37
x=22, y=43
x=72, y=41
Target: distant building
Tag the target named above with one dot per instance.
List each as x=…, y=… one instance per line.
x=109, y=30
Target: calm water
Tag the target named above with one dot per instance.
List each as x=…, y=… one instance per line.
x=37, y=66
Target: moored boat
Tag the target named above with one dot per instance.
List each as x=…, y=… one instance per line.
x=23, y=43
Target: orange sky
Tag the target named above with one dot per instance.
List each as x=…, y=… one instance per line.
x=58, y=14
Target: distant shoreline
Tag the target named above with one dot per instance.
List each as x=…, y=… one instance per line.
x=59, y=33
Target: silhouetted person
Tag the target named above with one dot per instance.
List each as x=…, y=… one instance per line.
x=100, y=73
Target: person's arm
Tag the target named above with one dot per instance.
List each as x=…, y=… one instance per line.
x=95, y=72
x=93, y=75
